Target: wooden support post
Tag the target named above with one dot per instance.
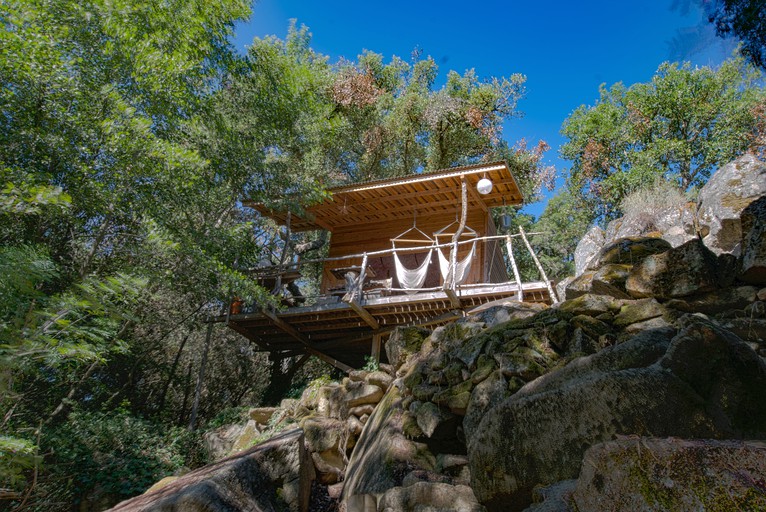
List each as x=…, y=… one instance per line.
x=292, y=331
x=362, y=276
x=354, y=295
x=376, y=348
x=551, y=292
x=453, y=298
x=450, y=283
x=516, y=275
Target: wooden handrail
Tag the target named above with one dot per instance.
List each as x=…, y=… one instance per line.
x=384, y=252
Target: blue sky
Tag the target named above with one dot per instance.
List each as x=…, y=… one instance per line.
x=566, y=49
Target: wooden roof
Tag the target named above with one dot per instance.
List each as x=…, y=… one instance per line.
x=426, y=194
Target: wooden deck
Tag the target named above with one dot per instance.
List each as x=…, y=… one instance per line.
x=343, y=333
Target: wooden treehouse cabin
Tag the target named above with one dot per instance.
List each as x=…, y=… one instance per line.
x=419, y=250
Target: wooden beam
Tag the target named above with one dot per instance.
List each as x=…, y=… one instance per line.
x=478, y=199
x=453, y=298
x=289, y=329
x=310, y=217
x=363, y=313
x=446, y=317
x=376, y=348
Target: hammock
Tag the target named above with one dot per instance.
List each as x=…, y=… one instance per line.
x=412, y=279
x=463, y=267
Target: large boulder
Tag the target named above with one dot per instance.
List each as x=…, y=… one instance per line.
x=219, y=442
x=628, y=251
x=722, y=199
x=430, y=496
x=647, y=474
x=587, y=248
x=753, y=264
x=326, y=439
x=383, y=455
x=686, y=270
x=275, y=475
x=703, y=383
x=607, y=280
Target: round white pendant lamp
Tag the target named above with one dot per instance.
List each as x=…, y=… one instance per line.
x=484, y=186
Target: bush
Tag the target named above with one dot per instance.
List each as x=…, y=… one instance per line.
x=652, y=198
x=111, y=456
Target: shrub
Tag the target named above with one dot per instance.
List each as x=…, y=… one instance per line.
x=114, y=456
x=652, y=198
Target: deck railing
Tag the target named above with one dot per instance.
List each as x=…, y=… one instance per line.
x=355, y=286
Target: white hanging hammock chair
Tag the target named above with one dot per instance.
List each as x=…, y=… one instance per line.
x=463, y=266
x=411, y=280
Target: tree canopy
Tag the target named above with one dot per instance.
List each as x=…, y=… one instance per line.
x=745, y=20
x=680, y=126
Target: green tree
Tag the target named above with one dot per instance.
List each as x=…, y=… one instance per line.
x=107, y=208
x=681, y=125
x=743, y=19
x=564, y=221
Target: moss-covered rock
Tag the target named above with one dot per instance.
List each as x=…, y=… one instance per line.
x=487, y=394
x=638, y=310
x=689, y=269
x=485, y=365
x=590, y=305
x=629, y=251
x=608, y=280
x=705, y=383
x=380, y=379
x=672, y=474
x=403, y=342
x=435, y=421
x=717, y=301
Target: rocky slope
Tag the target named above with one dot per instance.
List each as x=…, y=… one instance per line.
x=642, y=390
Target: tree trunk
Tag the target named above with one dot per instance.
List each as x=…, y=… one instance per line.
x=200, y=378
x=171, y=375
x=279, y=381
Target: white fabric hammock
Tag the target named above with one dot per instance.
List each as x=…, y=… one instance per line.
x=463, y=267
x=412, y=280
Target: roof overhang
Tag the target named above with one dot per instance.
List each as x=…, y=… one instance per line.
x=424, y=195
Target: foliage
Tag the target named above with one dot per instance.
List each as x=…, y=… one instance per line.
x=743, y=19
x=116, y=455
x=680, y=126
x=16, y=456
x=298, y=124
x=229, y=416
x=563, y=223
x=370, y=364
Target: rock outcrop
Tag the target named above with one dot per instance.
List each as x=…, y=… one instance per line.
x=275, y=475
x=720, y=218
x=724, y=197
x=703, y=382
x=646, y=474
